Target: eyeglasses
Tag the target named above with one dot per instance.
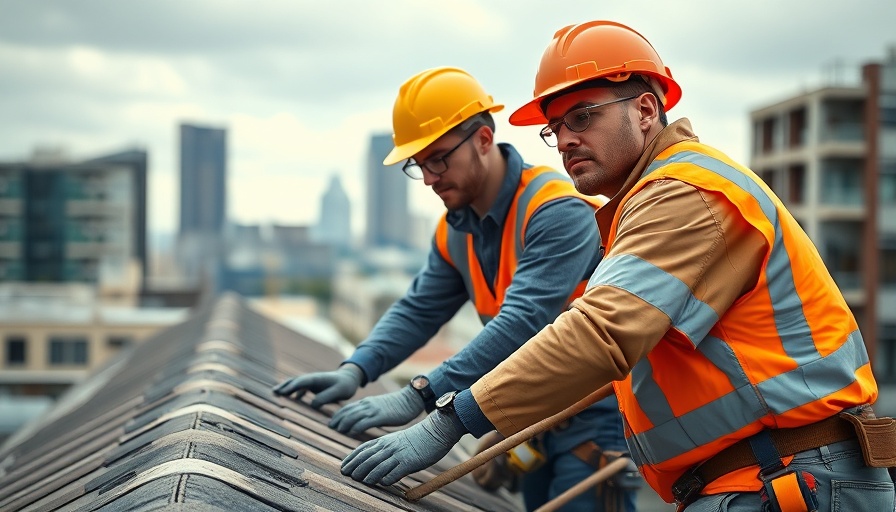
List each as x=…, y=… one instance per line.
x=577, y=120
x=436, y=166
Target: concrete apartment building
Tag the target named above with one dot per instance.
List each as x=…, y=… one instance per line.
x=70, y=221
x=830, y=155
x=73, y=267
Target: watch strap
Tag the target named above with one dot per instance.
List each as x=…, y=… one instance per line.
x=425, y=392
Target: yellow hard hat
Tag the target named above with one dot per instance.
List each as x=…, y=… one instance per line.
x=429, y=104
x=592, y=50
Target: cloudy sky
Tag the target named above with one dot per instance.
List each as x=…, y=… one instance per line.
x=301, y=85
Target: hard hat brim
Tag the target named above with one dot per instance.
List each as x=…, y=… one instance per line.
x=405, y=151
x=531, y=113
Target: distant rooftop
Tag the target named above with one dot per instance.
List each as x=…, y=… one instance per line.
x=74, y=303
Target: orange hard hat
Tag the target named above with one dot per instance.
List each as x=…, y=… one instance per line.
x=596, y=49
x=429, y=104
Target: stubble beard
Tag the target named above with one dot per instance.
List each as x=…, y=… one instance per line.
x=462, y=192
x=608, y=178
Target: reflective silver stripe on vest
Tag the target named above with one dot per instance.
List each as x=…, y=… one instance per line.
x=814, y=377
x=789, y=319
x=690, y=315
x=741, y=407
x=532, y=188
x=457, y=240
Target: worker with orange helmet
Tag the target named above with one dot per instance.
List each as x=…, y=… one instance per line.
x=741, y=373
x=517, y=241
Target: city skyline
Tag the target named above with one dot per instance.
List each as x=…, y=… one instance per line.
x=301, y=88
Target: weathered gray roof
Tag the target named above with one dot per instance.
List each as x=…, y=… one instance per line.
x=187, y=421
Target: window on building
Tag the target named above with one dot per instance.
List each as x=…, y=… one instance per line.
x=68, y=350
x=15, y=350
x=769, y=178
x=887, y=182
x=796, y=184
x=888, y=262
x=842, y=252
x=843, y=120
x=767, y=144
x=885, y=360
x=120, y=342
x=797, y=135
x=888, y=116
x=841, y=181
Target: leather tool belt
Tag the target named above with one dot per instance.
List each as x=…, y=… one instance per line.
x=877, y=437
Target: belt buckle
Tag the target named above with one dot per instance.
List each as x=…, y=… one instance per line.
x=687, y=488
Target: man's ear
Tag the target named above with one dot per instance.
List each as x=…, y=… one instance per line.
x=648, y=109
x=485, y=138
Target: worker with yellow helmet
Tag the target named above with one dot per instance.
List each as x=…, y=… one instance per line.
x=741, y=373
x=518, y=242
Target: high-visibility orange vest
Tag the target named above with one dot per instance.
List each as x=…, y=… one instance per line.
x=538, y=186
x=786, y=354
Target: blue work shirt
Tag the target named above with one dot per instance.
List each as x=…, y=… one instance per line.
x=562, y=248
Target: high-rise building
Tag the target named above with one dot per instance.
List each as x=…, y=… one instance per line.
x=203, y=179
x=388, y=222
x=334, y=226
x=830, y=154
x=63, y=221
x=203, y=199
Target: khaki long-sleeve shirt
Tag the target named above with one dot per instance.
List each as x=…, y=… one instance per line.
x=692, y=234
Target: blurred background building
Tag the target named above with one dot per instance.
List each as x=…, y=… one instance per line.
x=830, y=154
x=203, y=199
x=74, y=221
x=388, y=217
x=334, y=225
x=73, y=268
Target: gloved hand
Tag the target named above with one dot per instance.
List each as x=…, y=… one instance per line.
x=328, y=387
x=394, y=456
x=391, y=409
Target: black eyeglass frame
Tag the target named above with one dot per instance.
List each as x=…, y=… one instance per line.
x=441, y=161
x=551, y=129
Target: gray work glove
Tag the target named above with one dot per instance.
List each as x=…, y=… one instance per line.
x=328, y=387
x=394, y=456
x=391, y=409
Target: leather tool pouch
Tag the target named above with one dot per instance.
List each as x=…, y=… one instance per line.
x=877, y=437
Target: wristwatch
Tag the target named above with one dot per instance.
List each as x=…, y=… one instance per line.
x=446, y=401
x=420, y=384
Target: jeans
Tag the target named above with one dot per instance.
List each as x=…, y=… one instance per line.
x=844, y=484
x=602, y=424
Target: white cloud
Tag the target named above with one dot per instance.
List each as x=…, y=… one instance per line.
x=301, y=85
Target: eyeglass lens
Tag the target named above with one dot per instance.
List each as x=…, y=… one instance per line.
x=576, y=120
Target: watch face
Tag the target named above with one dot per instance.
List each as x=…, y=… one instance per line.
x=419, y=382
x=446, y=399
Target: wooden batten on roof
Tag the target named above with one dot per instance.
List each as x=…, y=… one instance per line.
x=187, y=421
